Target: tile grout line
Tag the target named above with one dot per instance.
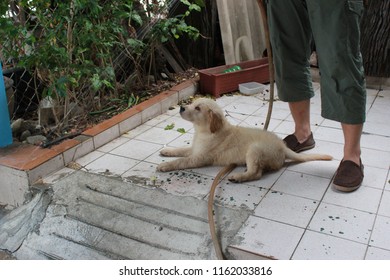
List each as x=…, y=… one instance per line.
x=311, y=218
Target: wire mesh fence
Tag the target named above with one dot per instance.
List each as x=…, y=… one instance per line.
x=21, y=93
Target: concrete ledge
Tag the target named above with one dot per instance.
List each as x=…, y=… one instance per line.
x=23, y=165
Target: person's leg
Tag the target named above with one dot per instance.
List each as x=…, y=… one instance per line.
x=352, y=135
x=300, y=112
x=350, y=173
x=291, y=38
x=335, y=26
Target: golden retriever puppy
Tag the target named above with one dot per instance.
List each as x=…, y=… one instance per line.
x=217, y=142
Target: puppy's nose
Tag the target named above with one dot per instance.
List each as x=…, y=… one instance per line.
x=182, y=109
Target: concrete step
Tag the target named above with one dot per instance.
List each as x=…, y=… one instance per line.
x=96, y=217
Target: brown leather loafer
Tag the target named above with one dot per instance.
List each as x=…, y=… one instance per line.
x=349, y=176
x=293, y=144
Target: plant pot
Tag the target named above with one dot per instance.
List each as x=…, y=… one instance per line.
x=214, y=81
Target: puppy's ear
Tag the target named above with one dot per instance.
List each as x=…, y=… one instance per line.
x=215, y=121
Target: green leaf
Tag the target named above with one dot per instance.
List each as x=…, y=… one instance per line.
x=96, y=83
x=170, y=126
x=186, y=2
x=107, y=84
x=137, y=19
x=194, y=7
x=181, y=130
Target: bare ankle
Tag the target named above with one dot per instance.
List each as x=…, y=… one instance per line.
x=355, y=159
x=303, y=135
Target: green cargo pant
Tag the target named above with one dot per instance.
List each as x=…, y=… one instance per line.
x=334, y=26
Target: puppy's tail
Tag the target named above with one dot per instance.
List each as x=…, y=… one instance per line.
x=304, y=157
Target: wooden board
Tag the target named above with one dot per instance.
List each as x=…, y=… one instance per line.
x=241, y=29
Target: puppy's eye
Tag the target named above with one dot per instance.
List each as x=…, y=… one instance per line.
x=197, y=108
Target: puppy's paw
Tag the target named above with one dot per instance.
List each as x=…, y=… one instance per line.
x=166, y=152
x=164, y=167
x=235, y=178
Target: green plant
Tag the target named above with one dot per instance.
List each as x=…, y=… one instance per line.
x=76, y=48
x=174, y=27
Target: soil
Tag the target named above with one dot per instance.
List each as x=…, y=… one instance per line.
x=111, y=107
x=118, y=105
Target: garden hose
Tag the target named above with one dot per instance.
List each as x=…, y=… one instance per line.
x=210, y=208
x=229, y=168
x=270, y=62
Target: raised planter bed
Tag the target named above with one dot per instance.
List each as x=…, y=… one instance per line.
x=214, y=81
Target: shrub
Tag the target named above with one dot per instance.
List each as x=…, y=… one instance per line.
x=86, y=50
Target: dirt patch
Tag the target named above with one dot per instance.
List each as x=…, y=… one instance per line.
x=6, y=256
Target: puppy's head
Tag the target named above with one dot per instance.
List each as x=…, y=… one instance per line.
x=205, y=114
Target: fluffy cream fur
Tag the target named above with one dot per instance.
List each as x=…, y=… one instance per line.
x=217, y=142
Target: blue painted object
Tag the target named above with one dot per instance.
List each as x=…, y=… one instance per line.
x=5, y=125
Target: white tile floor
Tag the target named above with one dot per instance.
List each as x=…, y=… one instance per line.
x=296, y=213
